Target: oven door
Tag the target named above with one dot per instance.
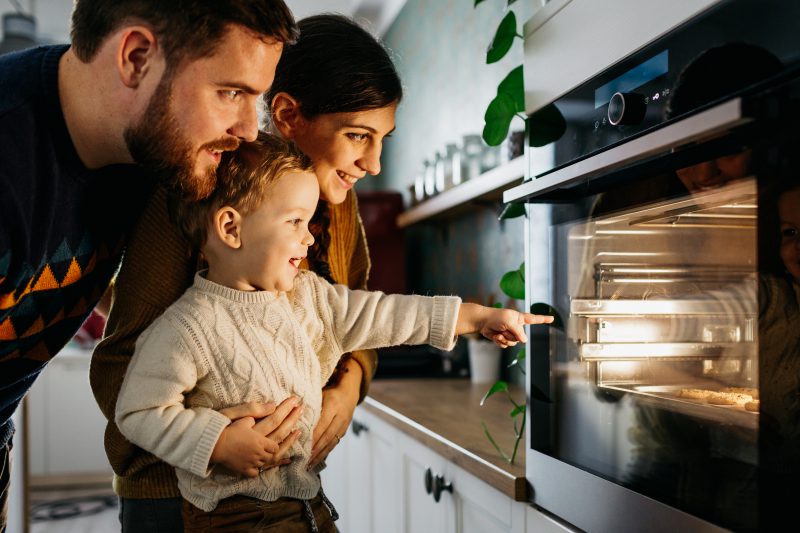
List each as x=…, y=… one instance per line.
x=667, y=397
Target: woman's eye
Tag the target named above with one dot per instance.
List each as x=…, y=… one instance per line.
x=358, y=137
x=296, y=221
x=789, y=233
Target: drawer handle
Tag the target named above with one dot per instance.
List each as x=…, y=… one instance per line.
x=440, y=486
x=428, y=480
x=358, y=428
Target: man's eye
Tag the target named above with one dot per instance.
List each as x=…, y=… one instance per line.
x=231, y=94
x=789, y=233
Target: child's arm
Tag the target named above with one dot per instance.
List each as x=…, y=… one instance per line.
x=150, y=411
x=369, y=319
x=502, y=326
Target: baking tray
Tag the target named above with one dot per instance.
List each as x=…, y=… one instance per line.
x=666, y=396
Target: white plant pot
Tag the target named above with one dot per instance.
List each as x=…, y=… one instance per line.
x=484, y=360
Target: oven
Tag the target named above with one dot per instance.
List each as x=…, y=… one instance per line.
x=667, y=395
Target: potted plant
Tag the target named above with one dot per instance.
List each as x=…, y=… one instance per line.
x=512, y=284
x=541, y=128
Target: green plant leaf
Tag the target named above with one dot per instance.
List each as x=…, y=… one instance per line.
x=512, y=211
x=541, y=308
x=545, y=126
x=521, y=269
x=498, y=119
x=479, y=1
x=499, y=386
x=517, y=410
x=509, y=2
x=514, y=86
x=513, y=284
x=503, y=38
x=496, y=447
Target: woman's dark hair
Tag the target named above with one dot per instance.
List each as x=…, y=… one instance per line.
x=187, y=29
x=336, y=66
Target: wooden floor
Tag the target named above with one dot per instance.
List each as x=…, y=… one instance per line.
x=74, y=511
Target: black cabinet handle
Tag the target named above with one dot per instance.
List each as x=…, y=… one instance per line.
x=358, y=428
x=440, y=486
x=428, y=480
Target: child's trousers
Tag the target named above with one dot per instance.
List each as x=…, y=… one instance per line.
x=245, y=514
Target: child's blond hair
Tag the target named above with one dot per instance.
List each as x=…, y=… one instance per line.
x=244, y=177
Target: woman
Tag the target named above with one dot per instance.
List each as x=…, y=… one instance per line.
x=335, y=94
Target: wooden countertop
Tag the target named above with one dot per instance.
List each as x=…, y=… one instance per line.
x=446, y=415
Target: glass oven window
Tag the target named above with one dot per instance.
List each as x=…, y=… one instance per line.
x=656, y=373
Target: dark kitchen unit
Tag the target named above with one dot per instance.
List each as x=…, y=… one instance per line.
x=669, y=397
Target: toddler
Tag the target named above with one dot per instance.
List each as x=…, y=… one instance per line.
x=255, y=327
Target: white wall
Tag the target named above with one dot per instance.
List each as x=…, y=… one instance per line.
x=52, y=18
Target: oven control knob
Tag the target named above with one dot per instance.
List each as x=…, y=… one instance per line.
x=626, y=109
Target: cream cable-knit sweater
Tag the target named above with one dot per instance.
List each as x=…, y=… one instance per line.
x=217, y=347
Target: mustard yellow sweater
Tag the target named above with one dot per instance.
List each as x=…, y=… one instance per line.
x=156, y=270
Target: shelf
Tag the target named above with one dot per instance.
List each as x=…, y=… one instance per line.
x=488, y=185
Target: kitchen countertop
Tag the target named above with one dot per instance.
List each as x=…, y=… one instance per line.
x=446, y=415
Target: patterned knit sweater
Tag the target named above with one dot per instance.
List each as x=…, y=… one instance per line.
x=156, y=270
x=63, y=227
x=218, y=347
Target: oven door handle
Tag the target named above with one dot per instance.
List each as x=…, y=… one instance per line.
x=703, y=125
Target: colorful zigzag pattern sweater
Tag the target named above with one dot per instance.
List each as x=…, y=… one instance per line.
x=62, y=226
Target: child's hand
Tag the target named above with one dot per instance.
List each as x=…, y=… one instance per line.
x=504, y=327
x=242, y=449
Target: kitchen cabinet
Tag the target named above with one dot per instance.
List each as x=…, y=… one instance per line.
x=65, y=425
x=362, y=478
x=381, y=479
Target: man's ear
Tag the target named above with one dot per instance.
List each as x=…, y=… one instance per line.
x=286, y=115
x=137, y=50
x=227, y=226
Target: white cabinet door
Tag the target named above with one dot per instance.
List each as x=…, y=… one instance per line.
x=359, y=491
x=481, y=508
x=362, y=477
x=420, y=512
x=385, y=481
x=66, y=426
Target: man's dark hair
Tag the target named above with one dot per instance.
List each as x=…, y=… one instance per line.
x=186, y=29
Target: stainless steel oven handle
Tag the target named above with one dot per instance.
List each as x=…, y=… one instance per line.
x=705, y=124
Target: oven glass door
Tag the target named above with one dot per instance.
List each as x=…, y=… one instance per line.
x=676, y=307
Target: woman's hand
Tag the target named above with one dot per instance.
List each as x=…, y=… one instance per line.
x=259, y=437
x=338, y=404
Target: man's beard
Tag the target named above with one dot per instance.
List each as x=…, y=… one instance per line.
x=158, y=144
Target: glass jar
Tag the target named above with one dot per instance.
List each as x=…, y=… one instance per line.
x=439, y=173
x=419, y=186
x=472, y=151
x=490, y=158
x=452, y=169
x=430, y=179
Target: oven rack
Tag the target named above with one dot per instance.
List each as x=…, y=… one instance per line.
x=744, y=308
